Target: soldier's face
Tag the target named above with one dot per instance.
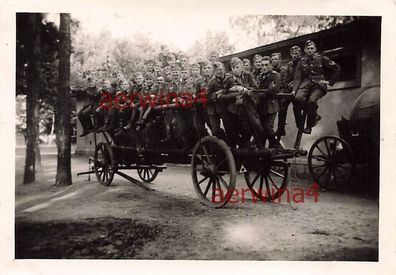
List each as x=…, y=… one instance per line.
x=195, y=71
x=257, y=64
x=246, y=66
x=175, y=75
x=295, y=54
x=310, y=50
x=208, y=70
x=185, y=74
x=150, y=67
x=183, y=60
x=275, y=60
x=266, y=66
x=165, y=51
x=214, y=57
x=139, y=79
x=237, y=69
x=149, y=81
x=124, y=86
x=106, y=85
x=160, y=80
x=220, y=71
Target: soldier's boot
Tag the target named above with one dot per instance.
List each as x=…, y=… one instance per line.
x=97, y=123
x=84, y=123
x=282, y=115
x=298, y=117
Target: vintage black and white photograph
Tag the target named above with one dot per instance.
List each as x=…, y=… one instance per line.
x=185, y=136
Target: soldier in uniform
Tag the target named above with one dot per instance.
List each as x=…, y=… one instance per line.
x=200, y=91
x=313, y=73
x=286, y=75
x=256, y=66
x=244, y=112
x=167, y=73
x=122, y=104
x=217, y=85
x=213, y=56
x=85, y=113
x=102, y=112
x=269, y=84
x=149, y=99
x=247, y=66
x=150, y=64
x=134, y=95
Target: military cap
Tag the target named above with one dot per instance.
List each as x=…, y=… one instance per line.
x=218, y=64
x=123, y=80
x=149, y=75
x=266, y=58
x=246, y=61
x=195, y=65
x=138, y=74
x=175, y=67
x=150, y=61
x=235, y=61
x=278, y=54
x=257, y=57
x=185, y=67
x=213, y=52
x=309, y=43
x=295, y=48
x=206, y=62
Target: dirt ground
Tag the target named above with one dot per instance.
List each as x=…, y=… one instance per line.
x=88, y=220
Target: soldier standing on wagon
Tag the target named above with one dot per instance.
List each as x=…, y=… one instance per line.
x=217, y=109
x=269, y=84
x=287, y=87
x=247, y=66
x=240, y=118
x=256, y=66
x=313, y=73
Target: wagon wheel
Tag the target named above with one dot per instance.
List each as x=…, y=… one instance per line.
x=148, y=174
x=331, y=162
x=104, y=163
x=269, y=182
x=213, y=171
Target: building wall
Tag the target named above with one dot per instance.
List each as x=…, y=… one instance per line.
x=337, y=103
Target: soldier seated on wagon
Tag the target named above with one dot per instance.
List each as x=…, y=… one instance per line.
x=85, y=113
x=101, y=111
x=133, y=97
x=313, y=73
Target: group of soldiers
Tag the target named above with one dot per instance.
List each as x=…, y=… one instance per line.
x=242, y=100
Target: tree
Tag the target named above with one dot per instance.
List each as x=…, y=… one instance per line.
x=63, y=105
x=218, y=41
x=258, y=30
x=28, y=80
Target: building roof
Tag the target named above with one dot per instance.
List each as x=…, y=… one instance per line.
x=355, y=34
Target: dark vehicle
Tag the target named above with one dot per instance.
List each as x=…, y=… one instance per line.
x=333, y=160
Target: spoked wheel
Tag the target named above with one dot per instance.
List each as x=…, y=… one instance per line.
x=148, y=174
x=213, y=171
x=269, y=182
x=104, y=163
x=331, y=162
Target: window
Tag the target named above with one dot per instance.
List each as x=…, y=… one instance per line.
x=350, y=61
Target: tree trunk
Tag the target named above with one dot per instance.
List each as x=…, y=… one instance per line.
x=63, y=105
x=32, y=102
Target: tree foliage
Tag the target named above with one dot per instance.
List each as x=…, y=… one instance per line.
x=264, y=29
